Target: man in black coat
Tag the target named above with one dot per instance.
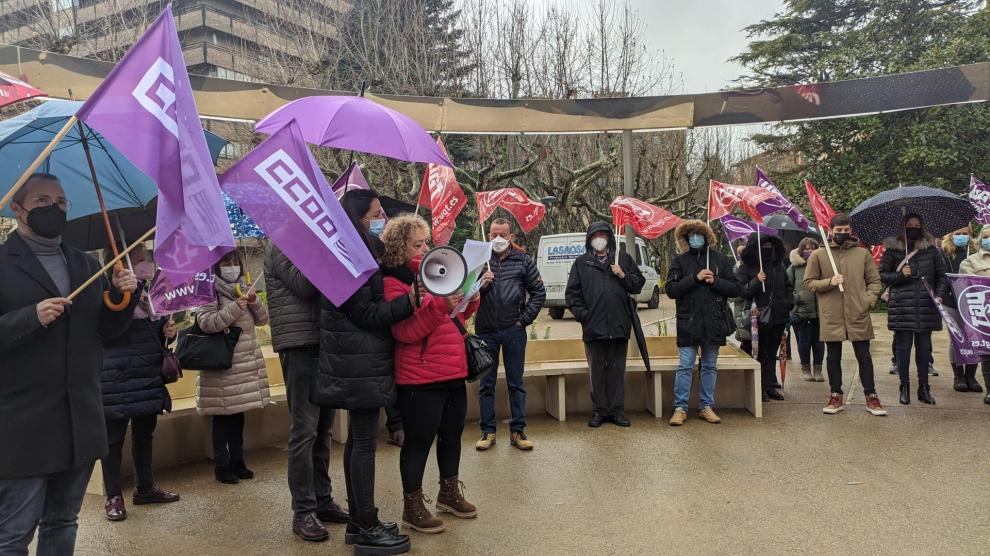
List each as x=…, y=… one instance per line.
x=509, y=303
x=701, y=282
x=598, y=294
x=51, y=349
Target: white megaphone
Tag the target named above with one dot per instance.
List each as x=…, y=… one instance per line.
x=443, y=271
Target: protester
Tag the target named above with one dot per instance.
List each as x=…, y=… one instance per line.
x=804, y=317
x=430, y=367
x=134, y=393
x=978, y=264
x=357, y=373
x=845, y=315
x=228, y=394
x=700, y=281
x=598, y=295
x=741, y=310
x=51, y=418
x=509, y=304
x=772, y=292
x=957, y=247
x=911, y=314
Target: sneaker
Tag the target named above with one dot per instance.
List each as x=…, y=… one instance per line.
x=873, y=405
x=486, y=442
x=709, y=415
x=521, y=441
x=834, y=404
x=678, y=418
x=114, y=508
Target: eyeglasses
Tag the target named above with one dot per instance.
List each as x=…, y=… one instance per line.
x=44, y=201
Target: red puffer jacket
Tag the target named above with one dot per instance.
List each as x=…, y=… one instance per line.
x=428, y=346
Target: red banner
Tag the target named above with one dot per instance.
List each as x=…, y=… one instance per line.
x=724, y=197
x=823, y=211
x=648, y=220
x=527, y=212
x=877, y=252
x=13, y=90
x=444, y=197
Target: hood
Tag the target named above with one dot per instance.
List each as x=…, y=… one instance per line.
x=689, y=227
x=596, y=227
x=752, y=259
x=796, y=258
x=896, y=242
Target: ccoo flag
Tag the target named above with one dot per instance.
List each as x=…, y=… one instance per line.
x=778, y=203
x=737, y=228
x=281, y=188
x=145, y=107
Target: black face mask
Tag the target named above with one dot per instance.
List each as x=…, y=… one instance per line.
x=767, y=253
x=48, y=222
x=840, y=239
x=913, y=233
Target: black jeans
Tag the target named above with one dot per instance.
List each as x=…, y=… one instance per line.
x=770, y=336
x=429, y=413
x=142, y=434
x=228, y=439
x=863, y=359
x=810, y=348
x=922, y=341
x=607, y=366
x=49, y=504
x=393, y=418
x=309, y=434
x=359, y=461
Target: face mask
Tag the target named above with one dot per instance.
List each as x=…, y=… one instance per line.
x=144, y=270
x=767, y=253
x=840, y=239
x=985, y=243
x=696, y=241
x=960, y=240
x=230, y=273
x=806, y=254
x=48, y=222
x=913, y=233
x=599, y=244
x=376, y=226
x=500, y=244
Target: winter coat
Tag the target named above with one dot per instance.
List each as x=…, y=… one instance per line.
x=978, y=263
x=910, y=307
x=744, y=324
x=428, y=346
x=844, y=316
x=293, y=303
x=954, y=256
x=244, y=386
x=805, y=301
x=356, y=368
x=51, y=413
x=779, y=290
x=504, y=301
x=702, y=308
x=599, y=299
x=132, y=372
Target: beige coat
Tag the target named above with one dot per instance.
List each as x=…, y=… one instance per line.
x=844, y=316
x=978, y=263
x=244, y=385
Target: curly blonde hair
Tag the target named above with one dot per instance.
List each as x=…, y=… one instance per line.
x=397, y=236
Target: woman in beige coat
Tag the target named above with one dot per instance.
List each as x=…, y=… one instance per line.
x=979, y=264
x=226, y=395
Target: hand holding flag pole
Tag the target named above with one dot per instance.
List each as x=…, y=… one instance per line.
x=823, y=215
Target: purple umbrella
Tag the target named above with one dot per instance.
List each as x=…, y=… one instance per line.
x=358, y=124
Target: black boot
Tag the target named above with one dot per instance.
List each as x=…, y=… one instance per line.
x=971, y=384
x=986, y=380
x=959, y=379
x=240, y=469
x=905, y=394
x=925, y=394
x=224, y=475
x=351, y=533
x=374, y=539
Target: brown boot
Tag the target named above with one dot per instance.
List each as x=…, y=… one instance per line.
x=415, y=516
x=817, y=373
x=451, y=499
x=806, y=372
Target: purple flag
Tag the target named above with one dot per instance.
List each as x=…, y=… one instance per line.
x=145, y=107
x=780, y=203
x=973, y=298
x=281, y=188
x=979, y=197
x=352, y=178
x=963, y=335
x=737, y=228
x=195, y=292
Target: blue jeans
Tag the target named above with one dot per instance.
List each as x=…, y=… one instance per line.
x=53, y=501
x=512, y=342
x=685, y=376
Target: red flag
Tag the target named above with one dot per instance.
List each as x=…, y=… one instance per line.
x=823, y=211
x=724, y=197
x=14, y=90
x=648, y=220
x=443, y=195
x=877, y=252
x=527, y=212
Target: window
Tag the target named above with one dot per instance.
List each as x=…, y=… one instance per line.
x=59, y=5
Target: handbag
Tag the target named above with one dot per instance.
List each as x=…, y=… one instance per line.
x=207, y=352
x=728, y=317
x=765, y=313
x=479, y=360
x=171, y=367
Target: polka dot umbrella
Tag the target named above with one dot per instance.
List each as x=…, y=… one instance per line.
x=882, y=215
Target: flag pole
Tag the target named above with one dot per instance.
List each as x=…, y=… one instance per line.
x=111, y=263
x=37, y=161
x=831, y=259
x=759, y=254
x=617, y=244
x=708, y=222
x=481, y=228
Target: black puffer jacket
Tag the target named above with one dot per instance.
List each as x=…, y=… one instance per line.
x=952, y=263
x=779, y=289
x=293, y=303
x=504, y=301
x=910, y=307
x=356, y=349
x=131, y=379
x=703, y=313
x=598, y=298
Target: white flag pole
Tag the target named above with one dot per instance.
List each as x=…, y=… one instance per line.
x=759, y=254
x=831, y=259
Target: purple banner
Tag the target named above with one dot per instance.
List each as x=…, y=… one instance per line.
x=780, y=203
x=195, y=292
x=979, y=197
x=963, y=337
x=352, y=178
x=973, y=298
x=737, y=228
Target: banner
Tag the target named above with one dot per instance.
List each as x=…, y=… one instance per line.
x=819, y=206
x=166, y=298
x=527, y=212
x=280, y=186
x=964, y=337
x=13, y=90
x=737, y=228
x=778, y=203
x=441, y=193
x=723, y=197
x=979, y=197
x=648, y=220
x=352, y=178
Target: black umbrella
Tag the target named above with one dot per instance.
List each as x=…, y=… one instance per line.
x=789, y=232
x=89, y=232
x=882, y=215
x=637, y=327
x=395, y=207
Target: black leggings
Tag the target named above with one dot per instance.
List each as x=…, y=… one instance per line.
x=427, y=414
x=863, y=359
x=770, y=336
x=922, y=343
x=228, y=439
x=359, y=461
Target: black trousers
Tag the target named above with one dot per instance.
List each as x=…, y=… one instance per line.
x=427, y=414
x=309, y=434
x=359, y=462
x=393, y=419
x=142, y=438
x=607, y=366
x=770, y=336
x=863, y=359
x=228, y=439
x=922, y=342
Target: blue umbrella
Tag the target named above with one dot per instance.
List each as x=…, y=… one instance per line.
x=882, y=215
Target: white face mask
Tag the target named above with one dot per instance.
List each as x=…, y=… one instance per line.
x=599, y=244
x=500, y=244
x=230, y=273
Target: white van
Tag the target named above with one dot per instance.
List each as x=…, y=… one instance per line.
x=556, y=255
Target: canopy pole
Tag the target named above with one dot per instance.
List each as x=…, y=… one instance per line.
x=628, y=189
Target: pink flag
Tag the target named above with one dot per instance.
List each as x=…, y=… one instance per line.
x=648, y=220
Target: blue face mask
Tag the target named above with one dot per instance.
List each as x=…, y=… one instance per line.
x=960, y=240
x=696, y=241
x=376, y=226
x=985, y=243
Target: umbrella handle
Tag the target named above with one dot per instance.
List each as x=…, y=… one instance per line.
x=124, y=301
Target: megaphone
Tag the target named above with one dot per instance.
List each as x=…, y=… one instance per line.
x=443, y=271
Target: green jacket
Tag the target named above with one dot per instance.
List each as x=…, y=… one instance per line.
x=805, y=302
